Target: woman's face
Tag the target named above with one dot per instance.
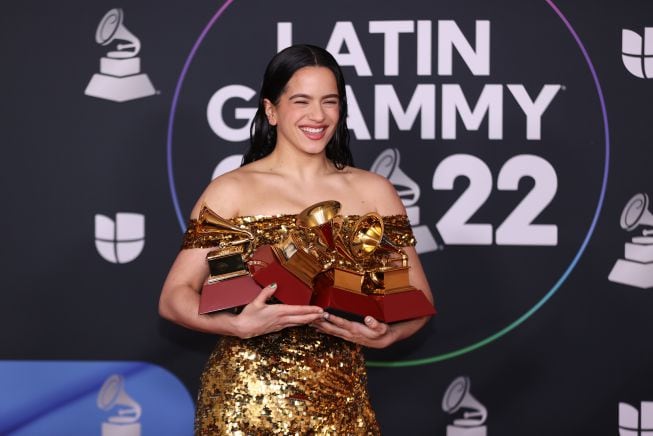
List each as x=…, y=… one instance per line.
x=307, y=112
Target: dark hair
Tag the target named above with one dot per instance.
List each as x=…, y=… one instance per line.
x=263, y=136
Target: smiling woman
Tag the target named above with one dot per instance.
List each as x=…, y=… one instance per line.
x=307, y=113
x=288, y=368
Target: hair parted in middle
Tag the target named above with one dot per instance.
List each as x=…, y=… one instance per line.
x=263, y=136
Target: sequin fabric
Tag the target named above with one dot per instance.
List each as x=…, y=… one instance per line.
x=294, y=382
x=271, y=229
x=297, y=381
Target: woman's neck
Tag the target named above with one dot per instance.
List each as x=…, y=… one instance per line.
x=297, y=165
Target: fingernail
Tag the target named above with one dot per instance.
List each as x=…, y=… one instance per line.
x=325, y=315
x=368, y=320
x=273, y=285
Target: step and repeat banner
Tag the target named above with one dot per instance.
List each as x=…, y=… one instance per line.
x=517, y=134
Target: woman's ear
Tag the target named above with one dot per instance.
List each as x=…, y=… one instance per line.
x=270, y=112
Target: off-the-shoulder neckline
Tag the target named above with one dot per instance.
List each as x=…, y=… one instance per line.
x=289, y=215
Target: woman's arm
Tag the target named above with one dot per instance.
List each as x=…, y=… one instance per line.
x=180, y=296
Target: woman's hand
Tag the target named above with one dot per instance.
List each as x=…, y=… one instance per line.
x=372, y=333
x=259, y=317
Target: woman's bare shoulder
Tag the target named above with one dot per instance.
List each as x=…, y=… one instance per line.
x=376, y=188
x=222, y=194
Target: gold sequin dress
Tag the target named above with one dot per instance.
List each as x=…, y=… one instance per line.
x=296, y=381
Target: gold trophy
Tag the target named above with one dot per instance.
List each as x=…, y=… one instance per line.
x=307, y=251
x=371, y=277
x=229, y=284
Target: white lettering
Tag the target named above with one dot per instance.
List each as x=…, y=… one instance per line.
x=345, y=34
x=534, y=109
x=490, y=102
x=386, y=102
x=284, y=36
x=355, y=120
x=424, y=48
x=450, y=36
x=391, y=31
x=215, y=116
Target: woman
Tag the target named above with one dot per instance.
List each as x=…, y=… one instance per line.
x=280, y=368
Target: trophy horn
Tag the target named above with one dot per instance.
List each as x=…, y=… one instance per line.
x=319, y=218
x=209, y=222
x=368, y=237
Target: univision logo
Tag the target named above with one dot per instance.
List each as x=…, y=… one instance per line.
x=122, y=240
x=633, y=422
x=637, y=52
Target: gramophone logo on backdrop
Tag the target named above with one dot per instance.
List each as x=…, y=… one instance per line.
x=469, y=413
x=636, y=269
x=120, y=78
x=113, y=398
x=637, y=52
x=387, y=165
x=633, y=422
x=122, y=240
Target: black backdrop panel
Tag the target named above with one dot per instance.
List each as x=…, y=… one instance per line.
x=515, y=132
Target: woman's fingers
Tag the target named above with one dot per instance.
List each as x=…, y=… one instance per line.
x=350, y=330
x=295, y=320
x=378, y=327
x=355, y=328
x=265, y=294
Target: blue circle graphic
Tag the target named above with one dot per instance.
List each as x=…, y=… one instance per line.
x=522, y=318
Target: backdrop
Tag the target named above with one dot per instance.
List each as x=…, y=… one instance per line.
x=517, y=133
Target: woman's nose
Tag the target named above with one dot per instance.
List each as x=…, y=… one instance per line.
x=316, y=112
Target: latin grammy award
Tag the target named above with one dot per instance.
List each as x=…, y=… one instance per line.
x=295, y=263
x=370, y=276
x=229, y=284
x=359, y=273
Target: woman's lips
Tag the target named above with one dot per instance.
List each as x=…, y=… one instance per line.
x=313, y=133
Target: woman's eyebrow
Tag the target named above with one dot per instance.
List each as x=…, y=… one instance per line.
x=308, y=97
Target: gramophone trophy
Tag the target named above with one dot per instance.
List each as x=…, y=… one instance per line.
x=370, y=277
x=230, y=284
x=295, y=263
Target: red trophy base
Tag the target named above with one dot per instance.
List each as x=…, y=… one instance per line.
x=398, y=306
x=227, y=294
x=290, y=290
